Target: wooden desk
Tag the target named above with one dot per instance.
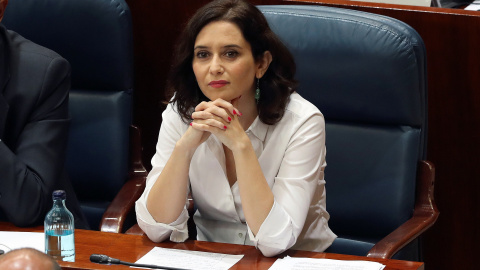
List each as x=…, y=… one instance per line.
x=130, y=248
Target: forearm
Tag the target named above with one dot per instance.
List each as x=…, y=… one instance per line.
x=167, y=197
x=257, y=197
x=24, y=194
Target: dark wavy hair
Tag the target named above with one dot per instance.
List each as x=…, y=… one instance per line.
x=277, y=83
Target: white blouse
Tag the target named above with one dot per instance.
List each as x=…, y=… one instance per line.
x=291, y=154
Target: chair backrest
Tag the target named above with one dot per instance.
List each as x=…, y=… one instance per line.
x=95, y=36
x=367, y=74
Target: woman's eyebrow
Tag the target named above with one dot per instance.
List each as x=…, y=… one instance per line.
x=200, y=47
x=232, y=46
x=226, y=46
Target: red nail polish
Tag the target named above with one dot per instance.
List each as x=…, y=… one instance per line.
x=229, y=119
x=191, y=124
x=225, y=127
x=239, y=113
x=234, y=112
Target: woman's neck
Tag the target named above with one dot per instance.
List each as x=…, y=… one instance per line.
x=249, y=111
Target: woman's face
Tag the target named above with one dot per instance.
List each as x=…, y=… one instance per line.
x=223, y=62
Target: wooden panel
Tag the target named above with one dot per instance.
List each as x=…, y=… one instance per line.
x=156, y=25
x=452, y=40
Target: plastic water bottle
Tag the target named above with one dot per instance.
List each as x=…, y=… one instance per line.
x=59, y=230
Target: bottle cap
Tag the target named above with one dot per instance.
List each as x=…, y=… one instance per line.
x=59, y=194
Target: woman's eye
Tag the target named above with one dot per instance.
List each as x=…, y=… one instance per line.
x=202, y=54
x=231, y=54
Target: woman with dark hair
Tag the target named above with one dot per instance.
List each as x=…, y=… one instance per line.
x=239, y=138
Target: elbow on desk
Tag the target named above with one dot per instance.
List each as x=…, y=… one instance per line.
x=270, y=251
x=155, y=233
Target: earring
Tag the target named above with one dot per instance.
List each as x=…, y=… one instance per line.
x=257, y=92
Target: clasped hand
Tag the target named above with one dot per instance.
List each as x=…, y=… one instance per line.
x=220, y=118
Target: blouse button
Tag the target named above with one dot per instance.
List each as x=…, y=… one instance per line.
x=240, y=235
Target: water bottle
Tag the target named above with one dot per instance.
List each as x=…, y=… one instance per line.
x=59, y=228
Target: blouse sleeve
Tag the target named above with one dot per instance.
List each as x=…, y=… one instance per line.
x=300, y=176
x=171, y=130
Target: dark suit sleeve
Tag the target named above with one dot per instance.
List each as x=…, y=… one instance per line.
x=34, y=166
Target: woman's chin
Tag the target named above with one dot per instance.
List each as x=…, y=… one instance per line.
x=235, y=99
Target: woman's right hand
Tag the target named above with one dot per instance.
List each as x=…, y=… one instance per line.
x=192, y=138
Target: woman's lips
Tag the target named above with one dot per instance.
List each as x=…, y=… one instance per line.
x=218, y=84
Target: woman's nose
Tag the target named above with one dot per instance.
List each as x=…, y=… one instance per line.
x=216, y=66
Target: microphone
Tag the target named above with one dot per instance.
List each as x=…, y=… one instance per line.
x=104, y=259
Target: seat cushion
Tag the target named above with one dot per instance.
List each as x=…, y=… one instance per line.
x=94, y=211
x=370, y=178
x=350, y=246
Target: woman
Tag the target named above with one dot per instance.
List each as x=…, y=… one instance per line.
x=235, y=134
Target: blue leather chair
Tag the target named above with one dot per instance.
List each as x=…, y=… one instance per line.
x=95, y=36
x=367, y=74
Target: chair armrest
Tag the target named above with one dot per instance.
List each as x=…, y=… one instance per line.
x=424, y=216
x=123, y=204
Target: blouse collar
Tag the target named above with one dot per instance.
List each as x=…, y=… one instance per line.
x=258, y=129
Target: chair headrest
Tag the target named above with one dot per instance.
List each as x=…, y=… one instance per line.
x=101, y=30
x=370, y=59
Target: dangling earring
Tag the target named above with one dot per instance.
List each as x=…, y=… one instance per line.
x=257, y=92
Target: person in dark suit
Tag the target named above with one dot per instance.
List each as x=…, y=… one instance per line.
x=34, y=123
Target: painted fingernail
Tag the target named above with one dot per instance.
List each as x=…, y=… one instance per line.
x=191, y=124
x=229, y=119
x=239, y=113
x=225, y=127
x=234, y=112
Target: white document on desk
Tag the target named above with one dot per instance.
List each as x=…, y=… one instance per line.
x=475, y=5
x=324, y=264
x=14, y=240
x=187, y=259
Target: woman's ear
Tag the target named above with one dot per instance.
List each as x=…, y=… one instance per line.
x=263, y=63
